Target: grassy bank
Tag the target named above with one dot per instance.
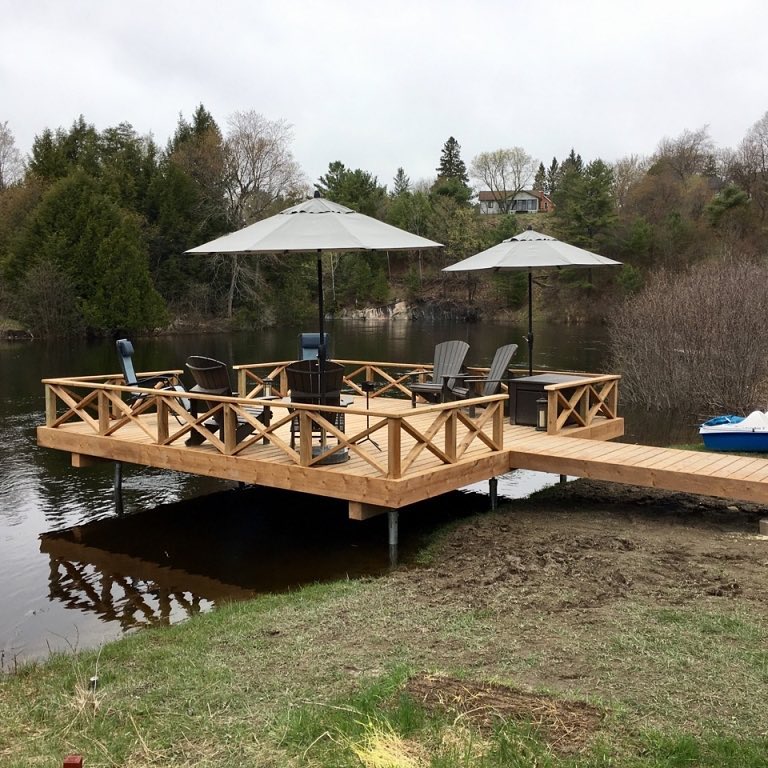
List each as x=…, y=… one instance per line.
x=625, y=632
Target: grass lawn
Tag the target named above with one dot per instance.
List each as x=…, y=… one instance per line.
x=579, y=628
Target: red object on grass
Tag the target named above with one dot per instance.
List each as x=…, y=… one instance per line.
x=73, y=761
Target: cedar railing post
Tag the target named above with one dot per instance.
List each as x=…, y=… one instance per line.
x=230, y=429
x=162, y=420
x=103, y=408
x=498, y=426
x=50, y=405
x=450, y=435
x=394, y=459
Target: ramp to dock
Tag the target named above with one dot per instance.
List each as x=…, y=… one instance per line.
x=709, y=474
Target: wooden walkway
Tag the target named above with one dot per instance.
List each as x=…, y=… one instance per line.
x=395, y=455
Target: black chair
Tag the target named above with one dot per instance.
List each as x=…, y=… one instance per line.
x=449, y=358
x=309, y=346
x=308, y=386
x=212, y=378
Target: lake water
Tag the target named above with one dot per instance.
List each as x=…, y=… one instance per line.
x=74, y=575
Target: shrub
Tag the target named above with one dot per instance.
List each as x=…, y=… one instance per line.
x=695, y=340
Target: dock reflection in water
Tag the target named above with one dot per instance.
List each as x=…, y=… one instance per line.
x=163, y=565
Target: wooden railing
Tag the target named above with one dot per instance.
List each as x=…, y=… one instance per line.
x=389, y=378
x=581, y=403
x=446, y=431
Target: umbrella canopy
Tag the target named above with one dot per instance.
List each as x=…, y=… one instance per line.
x=529, y=251
x=316, y=225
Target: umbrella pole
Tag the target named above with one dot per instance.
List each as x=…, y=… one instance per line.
x=529, y=337
x=321, y=351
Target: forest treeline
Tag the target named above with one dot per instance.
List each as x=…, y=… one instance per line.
x=94, y=224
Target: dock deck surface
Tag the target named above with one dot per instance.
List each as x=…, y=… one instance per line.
x=441, y=449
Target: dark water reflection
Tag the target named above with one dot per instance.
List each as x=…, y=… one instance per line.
x=73, y=575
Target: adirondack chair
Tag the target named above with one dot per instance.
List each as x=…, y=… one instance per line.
x=212, y=378
x=308, y=387
x=309, y=345
x=449, y=357
x=160, y=381
x=484, y=386
x=125, y=356
x=491, y=384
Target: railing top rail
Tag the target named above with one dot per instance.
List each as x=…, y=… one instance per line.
x=282, y=403
x=582, y=382
x=107, y=376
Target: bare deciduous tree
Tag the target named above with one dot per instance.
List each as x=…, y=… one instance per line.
x=504, y=172
x=686, y=155
x=11, y=162
x=627, y=171
x=749, y=165
x=259, y=173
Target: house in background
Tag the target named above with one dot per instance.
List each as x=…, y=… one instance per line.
x=525, y=201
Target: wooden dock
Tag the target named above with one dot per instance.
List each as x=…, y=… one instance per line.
x=393, y=455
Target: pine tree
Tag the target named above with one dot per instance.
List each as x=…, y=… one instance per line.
x=451, y=165
x=540, y=179
x=553, y=173
x=401, y=184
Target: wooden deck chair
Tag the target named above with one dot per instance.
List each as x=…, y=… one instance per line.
x=498, y=373
x=212, y=378
x=449, y=357
x=309, y=346
x=307, y=387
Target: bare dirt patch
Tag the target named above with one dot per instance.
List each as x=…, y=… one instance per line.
x=589, y=543
x=565, y=725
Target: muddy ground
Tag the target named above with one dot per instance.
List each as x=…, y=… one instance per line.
x=557, y=585
x=582, y=545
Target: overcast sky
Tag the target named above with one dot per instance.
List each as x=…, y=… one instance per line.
x=379, y=85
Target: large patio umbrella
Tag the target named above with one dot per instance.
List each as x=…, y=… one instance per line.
x=530, y=251
x=316, y=225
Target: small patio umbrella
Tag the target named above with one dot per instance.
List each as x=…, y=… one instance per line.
x=529, y=251
x=316, y=225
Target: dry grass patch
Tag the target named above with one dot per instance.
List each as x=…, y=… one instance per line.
x=566, y=726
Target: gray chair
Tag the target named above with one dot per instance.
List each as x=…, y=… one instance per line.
x=485, y=386
x=449, y=358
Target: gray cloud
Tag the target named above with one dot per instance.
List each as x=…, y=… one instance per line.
x=381, y=86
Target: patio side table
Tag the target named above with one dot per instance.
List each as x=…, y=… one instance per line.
x=526, y=390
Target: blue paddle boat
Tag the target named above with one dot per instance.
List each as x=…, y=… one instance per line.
x=736, y=433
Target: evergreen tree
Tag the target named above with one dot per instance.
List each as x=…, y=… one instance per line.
x=451, y=165
x=587, y=208
x=540, y=179
x=553, y=174
x=100, y=248
x=356, y=189
x=401, y=184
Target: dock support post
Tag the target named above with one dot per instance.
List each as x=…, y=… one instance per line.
x=392, y=519
x=563, y=479
x=493, y=492
x=118, y=487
